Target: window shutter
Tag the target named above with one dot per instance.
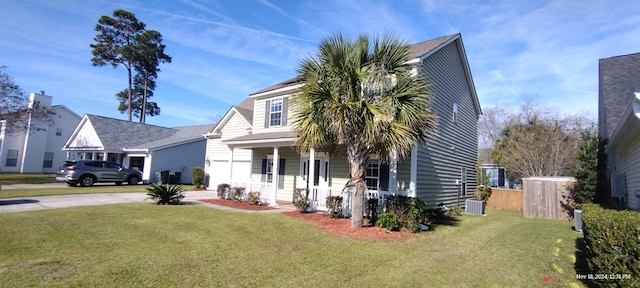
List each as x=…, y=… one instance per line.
x=267, y=113
x=281, y=174
x=285, y=107
x=264, y=171
x=384, y=177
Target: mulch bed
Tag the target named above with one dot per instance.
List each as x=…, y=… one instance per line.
x=340, y=226
x=237, y=204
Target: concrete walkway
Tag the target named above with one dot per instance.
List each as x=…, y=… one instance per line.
x=75, y=200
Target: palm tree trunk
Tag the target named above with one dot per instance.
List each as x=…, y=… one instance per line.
x=357, y=155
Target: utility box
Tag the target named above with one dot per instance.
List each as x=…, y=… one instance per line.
x=174, y=177
x=162, y=177
x=473, y=206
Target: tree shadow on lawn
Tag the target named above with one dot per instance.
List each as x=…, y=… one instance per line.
x=581, y=266
x=18, y=201
x=445, y=220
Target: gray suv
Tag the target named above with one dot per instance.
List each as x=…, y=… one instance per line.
x=88, y=172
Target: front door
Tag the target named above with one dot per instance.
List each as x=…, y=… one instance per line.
x=320, y=172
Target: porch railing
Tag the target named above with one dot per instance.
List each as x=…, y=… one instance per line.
x=265, y=189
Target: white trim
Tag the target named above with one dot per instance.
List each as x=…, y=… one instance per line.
x=393, y=171
x=276, y=160
x=271, y=104
x=284, y=141
x=414, y=171
x=278, y=92
x=312, y=167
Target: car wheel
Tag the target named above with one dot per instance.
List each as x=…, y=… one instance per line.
x=118, y=183
x=133, y=180
x=72, y=184
x=87, y=181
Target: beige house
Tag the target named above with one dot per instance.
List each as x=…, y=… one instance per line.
x=252, y=146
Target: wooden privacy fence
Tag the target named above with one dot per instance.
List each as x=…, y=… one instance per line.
x=505, y=199
x=543, y=197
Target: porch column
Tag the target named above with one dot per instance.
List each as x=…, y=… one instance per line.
x=414, y=171
x=393, y=171
x=275, y=176
x=231, y=165
x=312, y=168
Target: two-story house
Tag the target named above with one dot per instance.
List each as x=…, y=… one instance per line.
x=252, y=146
x=37, y=148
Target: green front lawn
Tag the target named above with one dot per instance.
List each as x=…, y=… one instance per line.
x=144, y=245
x=7, y=178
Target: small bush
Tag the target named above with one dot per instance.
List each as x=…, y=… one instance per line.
x=334, y=207
x=453, y=211
x=301, y=201
x=223, y=189
x=165, y=194
x=238, y=193
x=388, y=221
x=409, y=211
x=612, y=240
x=254, y=198
x=197, y=176
x=483, y=193
x=372, y=210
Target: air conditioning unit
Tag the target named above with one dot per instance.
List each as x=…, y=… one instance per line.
x=577, y=216
x=473, y=206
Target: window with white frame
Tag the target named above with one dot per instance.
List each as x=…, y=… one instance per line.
x=12, y=158
x=275, y=112
x=48, y=160
x=372, y=174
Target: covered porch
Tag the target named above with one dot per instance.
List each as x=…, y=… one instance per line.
x=277, y=170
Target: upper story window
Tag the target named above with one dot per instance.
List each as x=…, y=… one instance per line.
x=275, y=112
x=58, y=131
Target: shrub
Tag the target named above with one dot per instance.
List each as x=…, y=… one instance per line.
x=238, y=193
x=454, y=211
x=483, y=193
x=254, y=198
x=388, y=221
x=334, y=207
x=612, y=240
x=409, y=211
x=223, y=189
x=165, y=194
x=372, y=210
x=301, y=201
x=197, y=176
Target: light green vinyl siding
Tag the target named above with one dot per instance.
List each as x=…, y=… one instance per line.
x=454, y=145
x=291, y=169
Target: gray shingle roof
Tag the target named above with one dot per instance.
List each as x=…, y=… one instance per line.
x=619, y=80
x=119, y=134
x=415, y=51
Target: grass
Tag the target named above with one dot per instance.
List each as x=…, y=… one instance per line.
x=100, y=188
x=144, y=245
x=7, y=178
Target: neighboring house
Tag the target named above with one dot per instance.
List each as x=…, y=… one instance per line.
x=619, y=124
x=252, y=146
x=495, y=174
x=147, y=148
x=37, y=149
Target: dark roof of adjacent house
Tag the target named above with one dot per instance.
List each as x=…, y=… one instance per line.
x=119, y=134
x=619, y=80
x=415, y=51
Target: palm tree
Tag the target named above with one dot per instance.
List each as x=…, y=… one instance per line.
x=365, y=97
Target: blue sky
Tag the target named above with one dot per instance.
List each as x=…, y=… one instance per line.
x=546, y=51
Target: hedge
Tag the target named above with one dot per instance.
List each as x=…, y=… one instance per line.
x=612, y=240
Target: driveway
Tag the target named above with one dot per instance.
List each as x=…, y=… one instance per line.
x=75, y=200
